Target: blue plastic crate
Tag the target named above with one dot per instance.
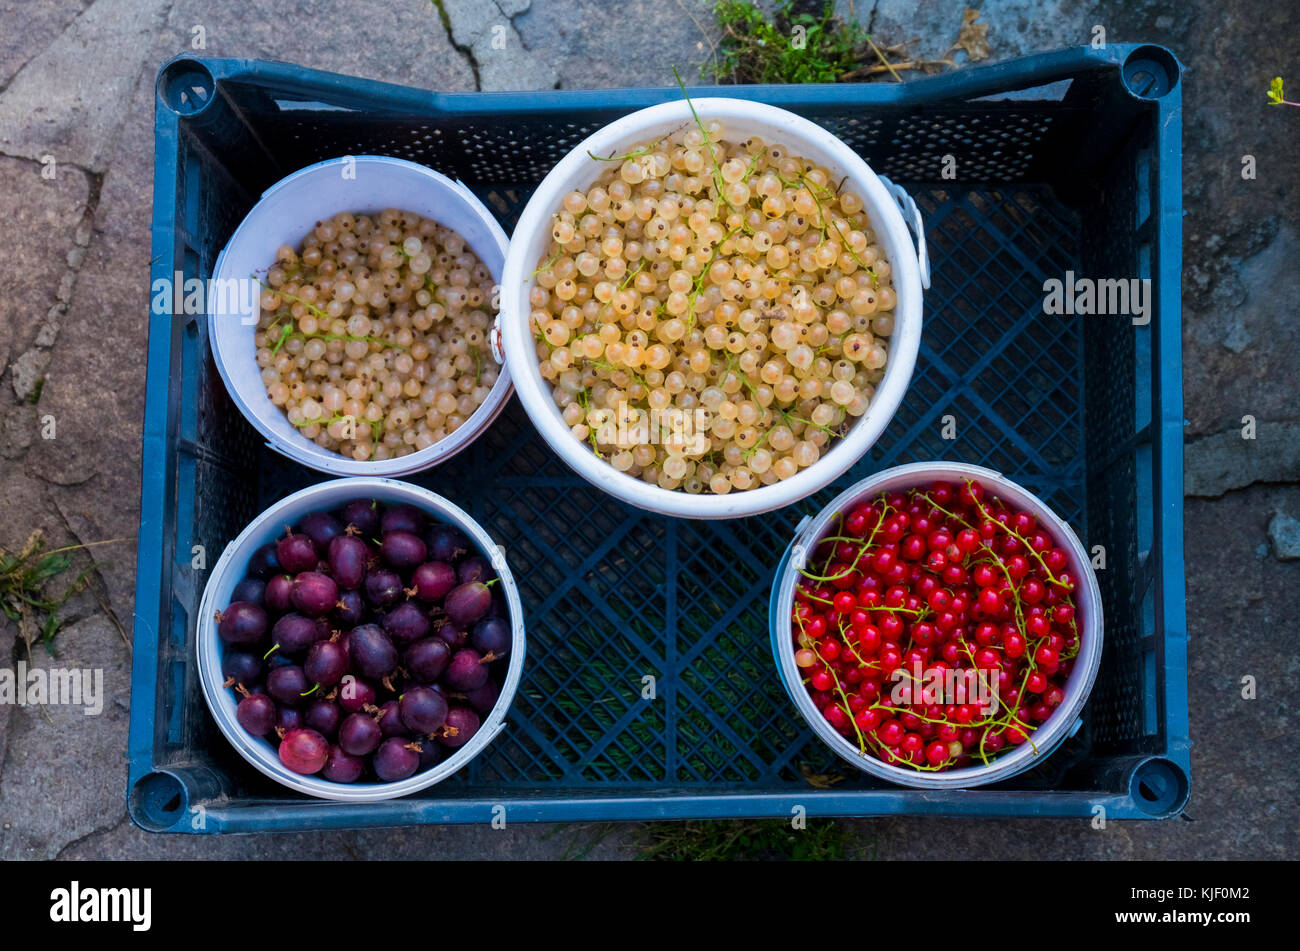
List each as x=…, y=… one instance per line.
x=1064, y=161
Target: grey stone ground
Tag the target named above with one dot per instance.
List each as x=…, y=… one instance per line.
x=76, y=89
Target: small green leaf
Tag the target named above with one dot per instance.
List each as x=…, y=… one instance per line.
x=48, y=630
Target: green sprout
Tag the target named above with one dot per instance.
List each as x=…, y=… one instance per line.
x=1275, y=94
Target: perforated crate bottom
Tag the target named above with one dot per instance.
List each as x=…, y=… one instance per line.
x=614, y=595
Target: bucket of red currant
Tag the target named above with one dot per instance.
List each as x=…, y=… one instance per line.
x=360, y=640
x=938, y=626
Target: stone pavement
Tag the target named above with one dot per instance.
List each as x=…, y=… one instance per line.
x=76, y=154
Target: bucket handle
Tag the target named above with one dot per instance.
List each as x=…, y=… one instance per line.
x=912, y=215
x=494, y=341
x=800, y=546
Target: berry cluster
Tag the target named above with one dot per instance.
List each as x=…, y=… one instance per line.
x=939, y=628
x=373, y=334
x=366, y=641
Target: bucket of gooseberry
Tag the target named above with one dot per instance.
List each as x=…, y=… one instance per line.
x=800, y=649
x=364, y=346
x=792, y=200
x=246, y=562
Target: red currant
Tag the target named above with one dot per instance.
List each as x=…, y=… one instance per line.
x=891, y=733
x=867, y=720
x=941, y=493
x=858, y=522
x=912, y=548
x=990, y=601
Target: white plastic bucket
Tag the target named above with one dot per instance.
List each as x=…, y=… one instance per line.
x=1063, y=721
x=284, y=215
x=231, y=568
x=884, y=203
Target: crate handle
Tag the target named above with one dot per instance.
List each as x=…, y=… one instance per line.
x=912, y=215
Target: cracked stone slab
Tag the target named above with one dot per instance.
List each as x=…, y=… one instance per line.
x=28, y=371
x=398, y=42
x=65, y=772
x=95, y=396
x=43, y=221
x=1216, y=464
x=1016, y=27
x=108, y=529
x=593, y=44
x=68, y=101
x=93, y=389
x=41, y=25
x=1238, y=337
x=1284, y=533
x=18, y=429
x=487, y=30
x=1242, y=344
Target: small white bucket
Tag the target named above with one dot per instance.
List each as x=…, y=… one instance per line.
x=284, y=215
x=231, y=568
x=885, y=204
x=1049, y=735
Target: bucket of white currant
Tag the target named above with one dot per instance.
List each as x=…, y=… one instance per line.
x=364, y=345
x=998, y=692
x=712, y=308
